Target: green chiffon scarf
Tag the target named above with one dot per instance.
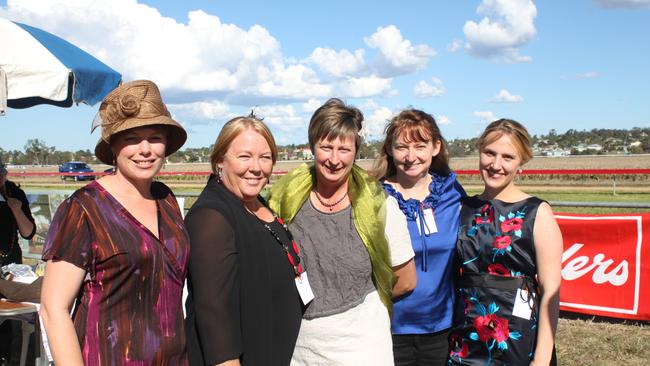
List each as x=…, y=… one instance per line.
x=288, y=194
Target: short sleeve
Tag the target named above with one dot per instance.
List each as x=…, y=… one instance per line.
x=397, y=233
x=214, y=285
x=69, y=238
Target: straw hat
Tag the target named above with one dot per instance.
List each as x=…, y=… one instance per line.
x=135, y=104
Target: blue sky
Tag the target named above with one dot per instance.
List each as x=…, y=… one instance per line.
x=576, y=64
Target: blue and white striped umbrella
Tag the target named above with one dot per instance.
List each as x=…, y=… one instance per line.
x=37, y=67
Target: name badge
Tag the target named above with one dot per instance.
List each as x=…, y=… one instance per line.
x=304, y=289
x=430, y=226
x=523, y=306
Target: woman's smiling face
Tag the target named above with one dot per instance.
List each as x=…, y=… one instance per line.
x=246, y=165
x=334, y=159
x=499, y=162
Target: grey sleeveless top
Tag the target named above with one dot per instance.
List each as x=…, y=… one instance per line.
x=336, y=261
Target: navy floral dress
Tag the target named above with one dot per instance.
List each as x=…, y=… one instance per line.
x=496, y=313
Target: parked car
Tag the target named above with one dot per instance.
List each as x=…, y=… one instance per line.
x=76, y=167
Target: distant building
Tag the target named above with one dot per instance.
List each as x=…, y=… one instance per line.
x=304, y=154
x=555, y=152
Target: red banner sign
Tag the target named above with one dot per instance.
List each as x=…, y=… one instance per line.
x=606, y=265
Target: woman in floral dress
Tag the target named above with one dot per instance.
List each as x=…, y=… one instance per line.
x=509, y=253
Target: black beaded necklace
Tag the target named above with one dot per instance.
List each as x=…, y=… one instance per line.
x=295, y=263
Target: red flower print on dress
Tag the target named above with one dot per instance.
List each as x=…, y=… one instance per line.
x=513, y=224
x=486, y=215
x=501, y=242
x=458, y=347
x=491, y=326
x=498, y=269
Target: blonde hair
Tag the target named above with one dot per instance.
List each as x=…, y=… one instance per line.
x=516, y=131
x=234, y=128
x=334, y=120
x=413, y=125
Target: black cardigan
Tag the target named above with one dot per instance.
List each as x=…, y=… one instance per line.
x=242, y=300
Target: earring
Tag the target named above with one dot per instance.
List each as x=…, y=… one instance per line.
x=219, y=173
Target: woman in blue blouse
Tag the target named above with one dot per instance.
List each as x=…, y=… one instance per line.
x=414, y=169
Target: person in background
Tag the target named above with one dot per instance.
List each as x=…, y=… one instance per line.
x=338, y=215
x=243, y=306
x=15, y=218
x=509, y=254
x=414, y=170
x=117, y=248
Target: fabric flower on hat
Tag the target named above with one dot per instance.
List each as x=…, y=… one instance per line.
x=129, y=105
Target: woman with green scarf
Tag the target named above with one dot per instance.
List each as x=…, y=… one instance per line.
x=337, y=214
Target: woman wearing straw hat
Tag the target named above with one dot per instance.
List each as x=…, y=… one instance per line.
x=117, y=248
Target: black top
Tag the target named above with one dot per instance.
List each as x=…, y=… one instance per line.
x=242, y=302
x=497, y=308
x=9, y=248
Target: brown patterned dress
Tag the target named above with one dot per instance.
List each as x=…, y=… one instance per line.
x=128, y=311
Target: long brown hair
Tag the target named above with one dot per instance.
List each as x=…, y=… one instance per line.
x=414, y=125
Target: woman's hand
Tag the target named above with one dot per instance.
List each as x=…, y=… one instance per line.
x=14, y=204
x=25, y=226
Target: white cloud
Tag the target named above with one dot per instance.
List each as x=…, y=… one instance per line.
x=375, y=122
x=425, y=90
x=504, y=96
x=625, y=4
x=443, y=120
x=506, y=26
x=283, y=117
x=397, y=56
x=364, y=87
x=201, y=59
x=338, y=64
x=486, y=116
x=203, y=111
x=587, y=75
x=311, y=105
x=455, y=45
x=292, y=82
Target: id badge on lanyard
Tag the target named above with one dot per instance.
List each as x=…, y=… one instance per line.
x=304, y=289
x=429, y=221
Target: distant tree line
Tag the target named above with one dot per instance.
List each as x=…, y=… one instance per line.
x=632, y=141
